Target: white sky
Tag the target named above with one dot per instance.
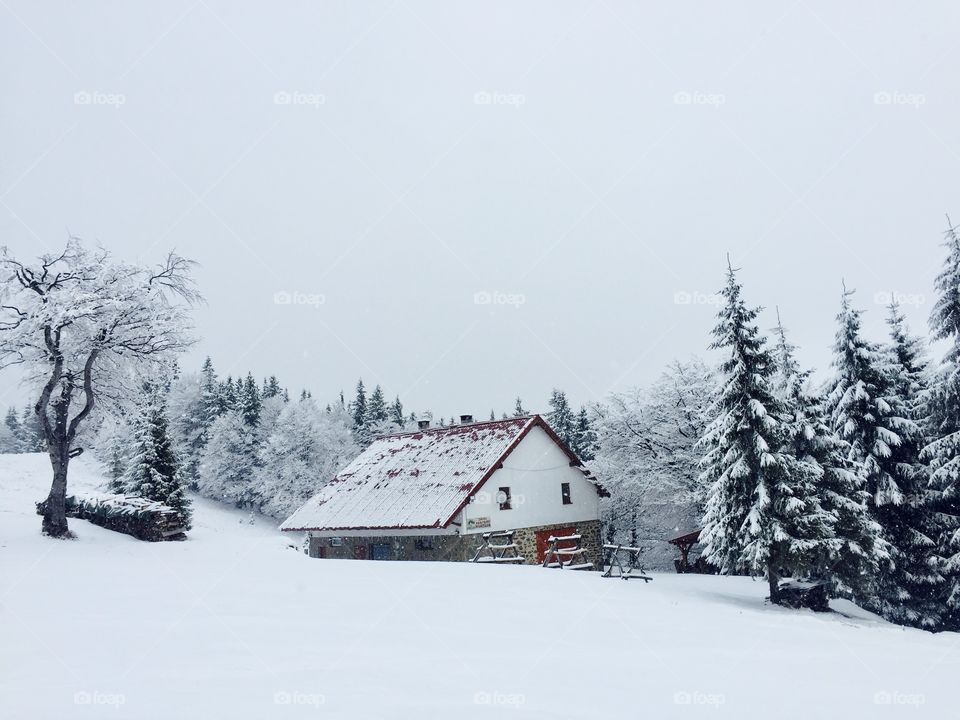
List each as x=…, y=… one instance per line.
x=587, y=184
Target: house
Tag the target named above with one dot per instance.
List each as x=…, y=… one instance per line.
x=431, y=494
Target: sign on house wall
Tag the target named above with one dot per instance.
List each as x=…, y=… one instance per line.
x=478, y=523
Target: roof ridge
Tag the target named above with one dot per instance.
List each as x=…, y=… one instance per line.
x=450, y=428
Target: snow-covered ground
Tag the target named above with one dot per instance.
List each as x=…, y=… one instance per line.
x=234, y=624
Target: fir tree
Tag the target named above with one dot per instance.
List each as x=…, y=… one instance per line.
x=396, y=413
x=153, y=472
x=584, y=439
x=493, y=415
x=376, y=408
x=271, y=387
x=943, y=414
x=31, y=434
x=518, y=410
x=358, y=411
x=883, y=444
x=13, y=427
x=226, y=397
x=762, y=513
x=249, y=402
x=851, y=560
x=561, y=417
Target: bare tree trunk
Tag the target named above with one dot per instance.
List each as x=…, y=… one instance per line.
x=773, y=578
x=55, y=506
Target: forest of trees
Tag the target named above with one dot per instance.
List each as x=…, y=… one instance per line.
x=852, y=480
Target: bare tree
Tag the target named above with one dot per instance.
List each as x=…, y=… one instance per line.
x=87, y=328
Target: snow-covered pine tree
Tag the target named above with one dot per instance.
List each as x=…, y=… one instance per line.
x=943, y=426
x=249, y=402
x=396, y=414
x=153, y=471
x=271, y=387
x=561, y=417
x=358, y=411
x=851, y=560
x=762, y=513
x=518, y=409
x=584, y=439
x=377, y=412
x=226, y=396
x=883, y=444
x=31, y=434
x=12, y=432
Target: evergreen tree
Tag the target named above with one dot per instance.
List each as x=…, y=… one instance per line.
x=377, y=413
x=852, y=560
x=584, y=439
x=493, y=415
x=561, y=417
x=271, y=387
x=226, y=397
x=153, y=471
x=396, y=413
x=249, y=402
x=943, y=414
x=883, y=445
x=762, y=515
x=358, y=411
x=14, y=432
x=31, y=434
x=518, y=410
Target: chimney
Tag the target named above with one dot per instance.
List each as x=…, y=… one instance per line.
x=466, y=419
x=423, y=424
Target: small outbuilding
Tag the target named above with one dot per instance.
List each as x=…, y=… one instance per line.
x=433, y=493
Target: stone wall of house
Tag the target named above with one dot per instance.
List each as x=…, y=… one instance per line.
x=451, y=548
x=526, y=540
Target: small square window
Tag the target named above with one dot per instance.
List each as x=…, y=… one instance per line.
x=503, y=497
x=565, y=493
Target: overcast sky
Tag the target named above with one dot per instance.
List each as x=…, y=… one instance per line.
x=465, y=202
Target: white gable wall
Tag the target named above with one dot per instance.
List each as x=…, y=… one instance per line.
x=533, y=472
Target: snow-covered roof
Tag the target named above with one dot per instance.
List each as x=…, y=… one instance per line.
x=416, y=479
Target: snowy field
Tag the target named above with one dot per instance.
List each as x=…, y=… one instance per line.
x=234, y=624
